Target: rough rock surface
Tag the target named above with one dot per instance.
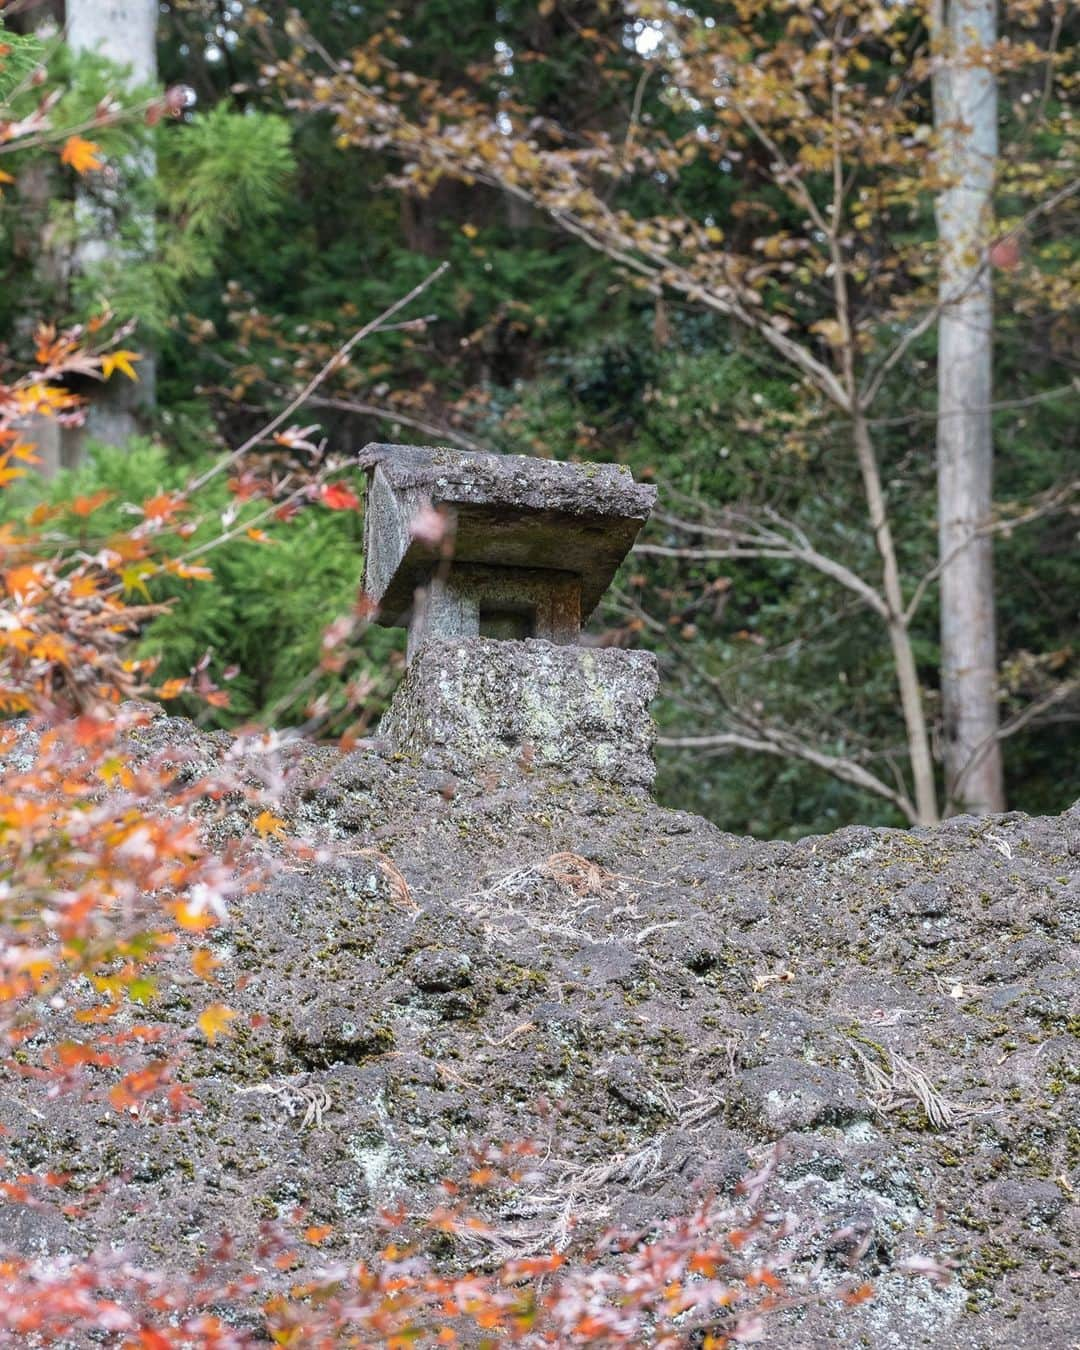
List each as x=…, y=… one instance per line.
x=470, y=704
x=897, y=1007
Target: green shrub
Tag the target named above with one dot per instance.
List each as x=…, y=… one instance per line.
x=268, y=604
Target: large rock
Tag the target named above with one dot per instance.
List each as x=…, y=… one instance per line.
x=896, y=1008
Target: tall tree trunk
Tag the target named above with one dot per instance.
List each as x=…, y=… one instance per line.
x=125, y=31
x=965, y=114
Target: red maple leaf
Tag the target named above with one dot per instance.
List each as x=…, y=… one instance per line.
x=339, y=497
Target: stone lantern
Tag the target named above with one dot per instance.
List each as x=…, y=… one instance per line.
x=493, y=563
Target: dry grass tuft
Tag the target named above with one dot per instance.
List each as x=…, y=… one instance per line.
x=896, y=1083
x=400, y=893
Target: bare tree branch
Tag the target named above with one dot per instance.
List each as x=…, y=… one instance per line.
x=828, y=566
x=389, y=414
x=749, y=732
x=334, y=363
x=773, y=741
x=747, y=536
x=999, y=405
x=873, y=384
x=1056, y=499
x=1032, y=713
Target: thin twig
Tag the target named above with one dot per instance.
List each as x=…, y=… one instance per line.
x=334, y=363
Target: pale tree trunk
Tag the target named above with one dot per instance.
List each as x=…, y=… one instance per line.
x=965, y=114
x=125, y=31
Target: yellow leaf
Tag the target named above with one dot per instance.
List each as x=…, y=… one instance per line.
x=831, y=330
x=523, y=157
x=469, y=230
x=115, y=770
x=6, y=177
x=121, y=361
x=82, y=155
x=214, y=1021
x=50, y=647
x=266, y=823
x=193, y=919
x=204, y=963
x=132, y=577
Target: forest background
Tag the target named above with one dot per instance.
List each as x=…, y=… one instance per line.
x=287, y=211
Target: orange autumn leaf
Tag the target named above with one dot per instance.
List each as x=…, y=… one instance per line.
x=317, y=1233
x=102, y=1013
x=86, y=506
x=192, y=919
x=338, y=497
x=214, y=1021
x=188, y=571
x=172, y=689
x=162, y=506
x=204, y=963
x=70, y=1054
x=266, y=823
x=24, y=581
x=84, y=587
x=132, y=1089
x=80, y=154
x=50, y=647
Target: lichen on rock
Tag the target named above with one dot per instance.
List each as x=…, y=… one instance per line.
x=660, y=1003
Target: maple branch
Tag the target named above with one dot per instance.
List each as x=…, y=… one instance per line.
x=43, y=138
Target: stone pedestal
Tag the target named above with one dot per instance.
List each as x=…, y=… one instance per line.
x=472, y=703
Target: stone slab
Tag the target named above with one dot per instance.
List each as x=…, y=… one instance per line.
x=468, y=703
x=505, y=510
